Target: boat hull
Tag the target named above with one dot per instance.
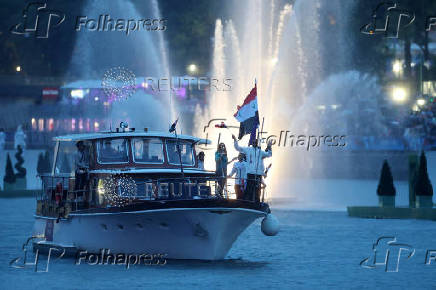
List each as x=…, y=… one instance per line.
x=175, y=233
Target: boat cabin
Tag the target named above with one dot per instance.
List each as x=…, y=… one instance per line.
x=123, y=168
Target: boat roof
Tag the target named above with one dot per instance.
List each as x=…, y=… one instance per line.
x=109, y=134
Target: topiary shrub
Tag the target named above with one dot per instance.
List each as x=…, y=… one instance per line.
x=386, y=184
x=65, y=166
x=40, y=164
x=47, y=163
x=9, y=172
x=423, y=185
x=21, y=171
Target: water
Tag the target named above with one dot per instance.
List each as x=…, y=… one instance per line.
x=143, y=53
x=315, y=249
x=300, y=55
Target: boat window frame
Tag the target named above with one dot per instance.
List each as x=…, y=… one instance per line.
x=142, y=138
x=180, y=140
x=109, y=163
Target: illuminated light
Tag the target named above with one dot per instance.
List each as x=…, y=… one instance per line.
x=371, y=32
x=96, y=126
x=77, y=94
x=274, y=61
x=321, y=107
x=50, y=124
x=73, y=124
x=144, y=85
x=33, y=122
x=397, y=67
x=41, y=124
x=399, y=95
x=334, y=107
x=80, y=124
x=415, y=108
x=96, y=99
x=192, y=68
x=106, y=103
x=420, y=102
x=18, y=68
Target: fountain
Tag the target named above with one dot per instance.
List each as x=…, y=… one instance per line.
x=300, y=56
x=142, y=52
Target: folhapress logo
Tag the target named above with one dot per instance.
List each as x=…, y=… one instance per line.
x=38, y=20
x=387, y=253
x=388, y=19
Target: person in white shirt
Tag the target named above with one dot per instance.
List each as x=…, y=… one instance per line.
x=2, y=139
x=255, y=167
x=240, y=169
x=200, y=158
x=20, y=138
x=81, y=162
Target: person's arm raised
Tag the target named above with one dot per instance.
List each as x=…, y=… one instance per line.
x=237, y=147
x=268, y=151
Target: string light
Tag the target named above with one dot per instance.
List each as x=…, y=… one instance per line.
x=118, y=191
x=118, y=83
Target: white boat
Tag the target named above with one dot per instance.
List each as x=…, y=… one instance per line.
x=138, y=199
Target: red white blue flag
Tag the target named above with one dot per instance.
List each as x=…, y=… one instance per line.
x=248, y=116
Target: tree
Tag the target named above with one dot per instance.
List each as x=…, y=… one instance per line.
x=386, y=184
x=40, y=165
x=423, y=184
x=9, y=172
x=47, y=163
x=21, y=171
x=65, y=166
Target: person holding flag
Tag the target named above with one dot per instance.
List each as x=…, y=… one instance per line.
x=248, y=116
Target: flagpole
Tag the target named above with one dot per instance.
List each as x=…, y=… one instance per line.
x=180, y=154
x=257, y=146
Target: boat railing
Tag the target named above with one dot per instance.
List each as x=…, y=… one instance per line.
x=60, y=196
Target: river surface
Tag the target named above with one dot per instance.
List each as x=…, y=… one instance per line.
x=314, y=250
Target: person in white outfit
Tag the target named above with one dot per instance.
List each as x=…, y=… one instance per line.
x=20, y=138
x=240, y=169
x=2, y=139
x=255, y=167
x=200, y=158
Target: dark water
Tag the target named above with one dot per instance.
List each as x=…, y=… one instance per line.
x=313, y=250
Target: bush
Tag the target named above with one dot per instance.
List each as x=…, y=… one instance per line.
x=21, y=171
x=386, y=184
x=47, y=163
x=423, y=184
x=40, y=164
x=9, y=172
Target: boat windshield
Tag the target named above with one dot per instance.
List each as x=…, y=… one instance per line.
x=186, y=151
x=147, y=150
x=112, y=151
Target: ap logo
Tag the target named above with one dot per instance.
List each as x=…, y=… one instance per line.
x=388, y=19
x=38, y=20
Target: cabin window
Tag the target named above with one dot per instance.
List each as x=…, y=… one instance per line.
x=68, y=155
x=186, y=152
x=112, y=151
x=147, y=150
